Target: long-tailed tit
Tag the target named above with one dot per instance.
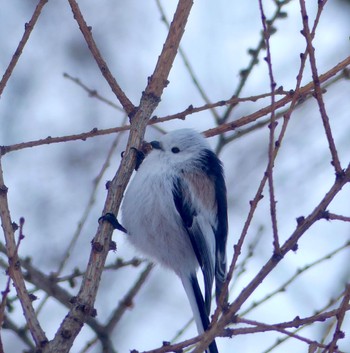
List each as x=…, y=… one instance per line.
x=175, y=211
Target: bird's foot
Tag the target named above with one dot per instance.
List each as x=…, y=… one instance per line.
x=112, y=219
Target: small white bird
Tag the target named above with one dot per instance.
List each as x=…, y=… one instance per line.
x=175, y=211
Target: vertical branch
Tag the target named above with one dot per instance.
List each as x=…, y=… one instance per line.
x=28, y=30
x=272, y=127
x=4, y=294
x=14, y=269
x=318, y=91
x=338, y=333
x=83, y=303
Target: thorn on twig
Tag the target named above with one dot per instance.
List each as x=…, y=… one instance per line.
x=86, y=309
x=277, y=256
x=32, y=297
x=341, y=334
x=272, y=125
x=3, y=189
x=96, y=246
x=15, y=226
x=66, y=334
x=228, y=332
x=325, y=215
x=112, y=245
x=251, y=202
x=108, y=183
x=296, y=321
x=300, y=220
x=280, y=90
x=295, y=247
x=339, y=175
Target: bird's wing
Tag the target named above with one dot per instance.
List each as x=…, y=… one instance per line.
x=197, y=221
x=212, y=167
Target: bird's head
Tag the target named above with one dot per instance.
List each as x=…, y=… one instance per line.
x=180, y=145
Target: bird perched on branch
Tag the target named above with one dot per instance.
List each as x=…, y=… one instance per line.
x=175, y=211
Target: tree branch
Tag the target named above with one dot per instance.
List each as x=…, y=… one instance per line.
x=87, y=33
x=318, y=91
x=27, y=31
x=14, y=269
x=303, y=225
x=85, y=299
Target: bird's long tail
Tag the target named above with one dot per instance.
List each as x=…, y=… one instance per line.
x=196, y=300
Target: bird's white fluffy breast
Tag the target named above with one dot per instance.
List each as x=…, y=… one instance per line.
x=150, y=217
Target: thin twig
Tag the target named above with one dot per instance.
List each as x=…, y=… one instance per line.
x=280, y=103
x=318, y=91
x=272, y=127
x=282, y=113
x=333, y=216
x=101, y=132
x=14, y=269
x=303, y=225
x=299, y=271
x=87, y=33
x=262, y=327
x=4, y=294
x=84, y=216
x=189, y=67
x=92, y=92
x=319, y=316
x=294, y=96
x=29, y=26
x=338, y=333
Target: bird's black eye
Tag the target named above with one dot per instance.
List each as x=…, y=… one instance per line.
x=175, y=150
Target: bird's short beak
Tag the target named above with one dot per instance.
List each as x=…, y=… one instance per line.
x=156, y=145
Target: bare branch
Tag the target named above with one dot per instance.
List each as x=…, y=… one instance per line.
x=83, y=307
x=294, y=96
x=338, y=333
x=87, y=33
x=272, y=127
x=14, y=269
x=303, y=225
x=28, y=30
x=318, y=91
x=92, y=92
